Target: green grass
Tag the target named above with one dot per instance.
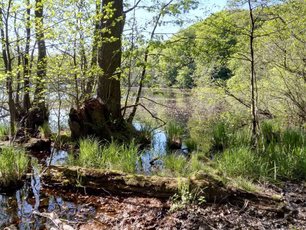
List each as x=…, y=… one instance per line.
x=111, y=156
x=45, y=130
x=175, y=165
x=4, y=131
x=281, y=155
x=191, y=144
x=220, y=137
x=13, y=165
x=145, y=131
x=242, y=162
x=174, y=131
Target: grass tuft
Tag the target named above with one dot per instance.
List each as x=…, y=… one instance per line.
x=175, y=165
x=111, y=156
x=13, y=165
x=174, y=132
x=4, y=131
x=45, y=130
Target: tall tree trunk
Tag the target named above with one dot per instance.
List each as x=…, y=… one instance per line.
x=109, y=57
x=254, y=90
x=94, y=58
x=17, y=97
x=102, y=117
x=8, y=65
x=26, y=62
x=39, y=98
x=38, y=114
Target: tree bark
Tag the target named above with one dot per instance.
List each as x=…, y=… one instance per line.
x=39, y=98
x=94, y=55
x=254, y=90
x=6, y=53
x=109, y=56
x=26, y=62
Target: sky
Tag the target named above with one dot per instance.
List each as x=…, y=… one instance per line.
x=206, y=7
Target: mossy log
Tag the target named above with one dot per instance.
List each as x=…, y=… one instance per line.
x=119, y=183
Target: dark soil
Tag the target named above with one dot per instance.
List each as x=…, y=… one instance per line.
x=150, y=213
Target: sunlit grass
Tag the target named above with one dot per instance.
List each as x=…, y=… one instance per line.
x=111, y=156
x=174, y=132
x=280, y=155
x=191, y=144
x=4, y=131
x=13, y=165
x=45, y=130
x=174, y=164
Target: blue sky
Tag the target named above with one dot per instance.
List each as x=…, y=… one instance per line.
x=206, y=7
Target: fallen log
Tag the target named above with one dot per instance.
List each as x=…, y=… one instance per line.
x=119, y=183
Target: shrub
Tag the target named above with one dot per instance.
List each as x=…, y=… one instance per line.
x=45, y=130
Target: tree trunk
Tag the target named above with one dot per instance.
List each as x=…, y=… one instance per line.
x=26, y=62
x=119, y=183
x=39, y=98
x=94, y=58
x=37, y=114
x=101, y=117
x=8, y=66
x=254, y=91
x=109, y=57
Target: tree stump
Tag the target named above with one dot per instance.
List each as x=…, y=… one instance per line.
x=94, y=119
x=34, y=118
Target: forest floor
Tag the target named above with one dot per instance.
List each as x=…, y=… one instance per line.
x=149, y=213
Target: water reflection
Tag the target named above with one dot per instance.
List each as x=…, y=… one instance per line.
x=57, y=157
x=17, y=209
x=149, y=157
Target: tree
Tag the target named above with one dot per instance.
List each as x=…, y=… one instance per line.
x=7, y=58
x=109, y=56
x=253, y=80
x=102, y=116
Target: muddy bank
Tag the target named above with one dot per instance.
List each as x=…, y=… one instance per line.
x=84, y=211
x=150, y=213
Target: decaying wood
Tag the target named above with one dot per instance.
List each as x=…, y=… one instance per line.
x=119, y=183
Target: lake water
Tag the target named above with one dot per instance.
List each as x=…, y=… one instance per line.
x=18, y=208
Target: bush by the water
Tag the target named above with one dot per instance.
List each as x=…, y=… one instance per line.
x=13, y=166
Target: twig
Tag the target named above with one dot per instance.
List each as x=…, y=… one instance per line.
x=157, y=103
